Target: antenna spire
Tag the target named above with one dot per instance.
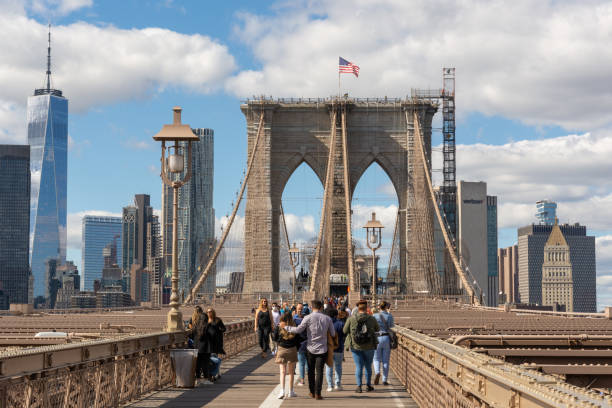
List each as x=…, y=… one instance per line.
x=49, y=61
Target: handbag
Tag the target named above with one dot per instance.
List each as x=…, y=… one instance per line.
x=392, y=335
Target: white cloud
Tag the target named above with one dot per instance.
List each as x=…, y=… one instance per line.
x=572, y=170
x=540, y=62
x=96, y=65
x=57, y=7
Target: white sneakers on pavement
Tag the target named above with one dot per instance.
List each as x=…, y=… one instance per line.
x=329, y=389
x=338, y=388
x=291, y=394
x=281, y=394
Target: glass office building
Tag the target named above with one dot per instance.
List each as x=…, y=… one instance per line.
x=97, y=233
x=15, y=221
x=196, y=216
x=47, y=115
x=546, y=212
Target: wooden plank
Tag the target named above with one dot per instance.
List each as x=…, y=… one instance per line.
x=247, y=380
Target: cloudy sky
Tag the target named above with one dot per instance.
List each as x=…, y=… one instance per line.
x=534, y=93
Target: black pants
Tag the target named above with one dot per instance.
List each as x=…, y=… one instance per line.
x=202, y=365
x=264, y=338
x=316, y=362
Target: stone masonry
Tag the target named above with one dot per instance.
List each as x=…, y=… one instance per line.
x=297, y=131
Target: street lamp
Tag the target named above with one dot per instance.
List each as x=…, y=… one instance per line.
x=294, y=254
x=175, y=163
x=374, y=240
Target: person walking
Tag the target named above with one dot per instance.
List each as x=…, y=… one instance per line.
x=302, y=360
x=383, y=350
x=276, y=316
x=210, y=338
x=264, y=323
x=196, y=319
x=338, y=354
x=317, y=326
x=360, y=330
x=286, y=355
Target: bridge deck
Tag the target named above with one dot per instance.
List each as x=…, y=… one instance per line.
x=250, y=381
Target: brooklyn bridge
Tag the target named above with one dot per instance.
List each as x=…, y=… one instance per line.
x=453, y=351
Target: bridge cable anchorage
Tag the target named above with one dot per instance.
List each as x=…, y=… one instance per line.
x=228, y=226
x=468, y=286
x=329, y=177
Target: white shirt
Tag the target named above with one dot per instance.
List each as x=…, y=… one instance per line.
x=276, y=316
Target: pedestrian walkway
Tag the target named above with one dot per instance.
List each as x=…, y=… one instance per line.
x=250, y=381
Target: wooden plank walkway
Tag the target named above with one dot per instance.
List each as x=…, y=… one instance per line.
x=250, y=381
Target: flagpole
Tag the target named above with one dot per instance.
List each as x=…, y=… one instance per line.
x=339, y=90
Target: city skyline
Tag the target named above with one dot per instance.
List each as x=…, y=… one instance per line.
x=502, y=142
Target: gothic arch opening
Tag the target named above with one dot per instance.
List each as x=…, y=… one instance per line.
x=302, y=197
x=375, y=192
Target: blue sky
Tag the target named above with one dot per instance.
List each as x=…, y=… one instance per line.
x=534, y=93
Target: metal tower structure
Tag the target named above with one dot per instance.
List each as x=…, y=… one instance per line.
x=449, y=185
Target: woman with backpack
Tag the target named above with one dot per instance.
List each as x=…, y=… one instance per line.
x=383, y=350
x=360, y=330
x=286, y=356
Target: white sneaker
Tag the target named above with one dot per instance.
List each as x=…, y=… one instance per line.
x=338, y=388
x=291, y=394
x=281, y=394
x=301, y=383
x=329, y=389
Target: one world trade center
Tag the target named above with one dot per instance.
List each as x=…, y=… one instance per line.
x=48, y=139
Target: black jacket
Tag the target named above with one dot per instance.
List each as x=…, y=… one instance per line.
x=210, y=336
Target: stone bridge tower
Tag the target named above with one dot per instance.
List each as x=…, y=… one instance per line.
x=301, y=130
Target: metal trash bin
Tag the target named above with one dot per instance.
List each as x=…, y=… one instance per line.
x=184, y=363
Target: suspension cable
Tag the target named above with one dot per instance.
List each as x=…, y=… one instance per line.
x=212, y=260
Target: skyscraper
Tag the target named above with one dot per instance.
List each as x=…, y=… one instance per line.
x=196, y=216
x=97, y=233
x=129, y=234
x=47, y=115
x=531, y=242
x=136, y=220
x=477, y=234
x=15, y=221
x=546, y=212
x=508, y=274
x=492, y=272
x=557, y=282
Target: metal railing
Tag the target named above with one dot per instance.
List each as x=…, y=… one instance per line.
x=104, y=373
x=439, y=374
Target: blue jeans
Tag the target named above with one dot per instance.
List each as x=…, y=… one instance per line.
x=382, y=355
x=363, y=360
x=215, y=365
x=337, y=370
x=302, y=364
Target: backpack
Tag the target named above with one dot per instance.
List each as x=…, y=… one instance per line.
x=360, y=332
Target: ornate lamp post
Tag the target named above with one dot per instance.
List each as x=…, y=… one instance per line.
x=174, y=163
x=374, y=240
x=294, y=253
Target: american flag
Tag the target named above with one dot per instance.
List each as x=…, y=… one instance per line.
x=345, y=67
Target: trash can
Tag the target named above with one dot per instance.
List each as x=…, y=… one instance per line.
x=184, y=362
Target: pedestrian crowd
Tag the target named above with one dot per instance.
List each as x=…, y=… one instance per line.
x=312, y=340
x=315, y=340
